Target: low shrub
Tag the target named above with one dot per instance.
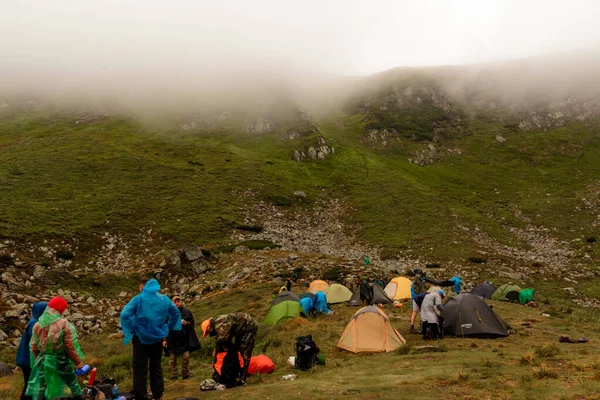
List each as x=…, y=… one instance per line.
x=250, y=228
x=477, y=260
x=64, y=254
x=544, y=372
x=404, y=349
x=5, y=259
x=332, y=274
x=547, y=350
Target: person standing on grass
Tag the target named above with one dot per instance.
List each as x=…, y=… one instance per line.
x=54, y=352
x=234, y=332
x=431, y=310
x=23, y=355
x=418, y=286
x=366, y=291
x=146, y=320
x=181, y=343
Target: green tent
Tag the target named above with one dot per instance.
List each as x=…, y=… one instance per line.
x=502, y=291
x=285, y=309
x=526, y=295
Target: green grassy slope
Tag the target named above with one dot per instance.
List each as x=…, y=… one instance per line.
x=59, y=178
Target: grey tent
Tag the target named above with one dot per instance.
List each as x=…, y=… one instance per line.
x=284, y=296
x=379, y=296
x=310, y=295
x=485, y=290
x=469, y=315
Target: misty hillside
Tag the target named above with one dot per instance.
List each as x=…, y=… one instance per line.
x=422, y=164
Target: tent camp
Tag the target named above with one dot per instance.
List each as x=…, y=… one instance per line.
x=502, y=291
x=399, y=288
x=317, y=285
x=370, y=330
x=338, y=294
x=379, y=296
x=485, y=290
x=469, y=315
x=285, y=305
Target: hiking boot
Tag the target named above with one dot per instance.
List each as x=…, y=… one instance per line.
x=186, y=377
x=174, y=378
x=415, y=330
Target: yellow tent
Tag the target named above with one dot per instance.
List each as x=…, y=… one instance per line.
x=338, y=294
x=317, y=285
x=398, y=288
x=370, y=330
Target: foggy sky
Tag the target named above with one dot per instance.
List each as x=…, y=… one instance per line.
x=336, y=36
x=131, y=49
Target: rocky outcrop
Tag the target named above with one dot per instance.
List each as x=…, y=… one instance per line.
x=320, y=151
x=260, y=126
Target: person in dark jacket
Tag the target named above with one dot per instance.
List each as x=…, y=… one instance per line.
x=366, y=291
x=23, y=355
x=181, y=343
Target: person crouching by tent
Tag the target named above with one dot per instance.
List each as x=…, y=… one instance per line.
x=181, y=343
x=418, y=286
x=23, y=355
x=431, y=310
x=235, y=333
x=55, y=352
x=366, y=292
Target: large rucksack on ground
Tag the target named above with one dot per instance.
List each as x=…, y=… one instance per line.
x=306, y=353
x=228, y=368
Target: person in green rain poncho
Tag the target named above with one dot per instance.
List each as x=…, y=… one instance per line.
x=55, y=353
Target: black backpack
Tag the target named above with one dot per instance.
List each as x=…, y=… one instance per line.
x=306, y=353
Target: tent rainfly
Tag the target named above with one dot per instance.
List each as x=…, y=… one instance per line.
x=370, y=330
x=399, y=288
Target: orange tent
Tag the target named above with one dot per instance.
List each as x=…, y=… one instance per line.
x=317, y=285
x=370, y=330
x=399, y=288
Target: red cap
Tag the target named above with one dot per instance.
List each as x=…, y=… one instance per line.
x=59, y=304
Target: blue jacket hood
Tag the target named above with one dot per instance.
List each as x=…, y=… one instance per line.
x=23, y=352
x=38, y=309
x=152, y=286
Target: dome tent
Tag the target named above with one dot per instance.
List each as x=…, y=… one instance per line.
x=399, y=288
x=485, y=290
x=338, y=294
x=502, y=291
x=469, y=315
x=379, y=296
x=370, y=330
x=317, y=285
x=285, y=305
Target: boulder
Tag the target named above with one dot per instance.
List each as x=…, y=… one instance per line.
x=192, y=253
x=5, y=370
x=172, y=261
x=3, y=335
x=38, y=271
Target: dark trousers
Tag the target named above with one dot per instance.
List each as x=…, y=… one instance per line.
x=431, y=331
x=26, y=375
x=146, y=358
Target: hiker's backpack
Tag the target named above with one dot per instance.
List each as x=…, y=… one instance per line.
x=306, y=353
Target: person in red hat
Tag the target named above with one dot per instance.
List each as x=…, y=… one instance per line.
x=55, y=353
